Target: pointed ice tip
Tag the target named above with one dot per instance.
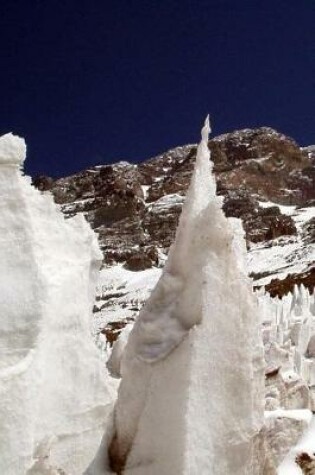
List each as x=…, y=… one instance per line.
x=207, y=122
x=206, y=129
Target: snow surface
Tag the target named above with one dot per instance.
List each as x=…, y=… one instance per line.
x=297, y=414
x=285, y=255
x=124, y=293
x=55, y=394
x=145, y=189
x=166, y=202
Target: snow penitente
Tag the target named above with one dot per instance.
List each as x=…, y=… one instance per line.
x=194, y=346
x=53, y=392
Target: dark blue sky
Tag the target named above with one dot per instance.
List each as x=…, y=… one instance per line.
x=96, y=81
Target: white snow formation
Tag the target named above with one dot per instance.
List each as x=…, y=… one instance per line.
x=191, y=395
x=53, y=385
x=289, y=337
x=288, y=327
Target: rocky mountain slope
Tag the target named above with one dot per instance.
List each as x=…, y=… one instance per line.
x=264, y=177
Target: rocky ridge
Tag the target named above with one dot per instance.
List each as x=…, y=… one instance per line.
x=262, y=175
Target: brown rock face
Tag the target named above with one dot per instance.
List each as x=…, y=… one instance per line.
x=142, y=260
x=43, y=183
x=135, y=208
x=260, y=224
x=282, y=287
x=306, y=463
x=309, y=231
x=266, y=164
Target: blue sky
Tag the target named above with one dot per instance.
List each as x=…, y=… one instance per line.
x=99, y=81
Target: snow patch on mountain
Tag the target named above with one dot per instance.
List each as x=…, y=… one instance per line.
x=284, y=255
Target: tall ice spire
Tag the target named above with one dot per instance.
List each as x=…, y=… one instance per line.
x=191, y=396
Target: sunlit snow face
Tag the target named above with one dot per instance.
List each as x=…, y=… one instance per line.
x=159, y=328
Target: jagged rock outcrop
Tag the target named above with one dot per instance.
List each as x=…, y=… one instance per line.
x=283, y=286
x=260, y=224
